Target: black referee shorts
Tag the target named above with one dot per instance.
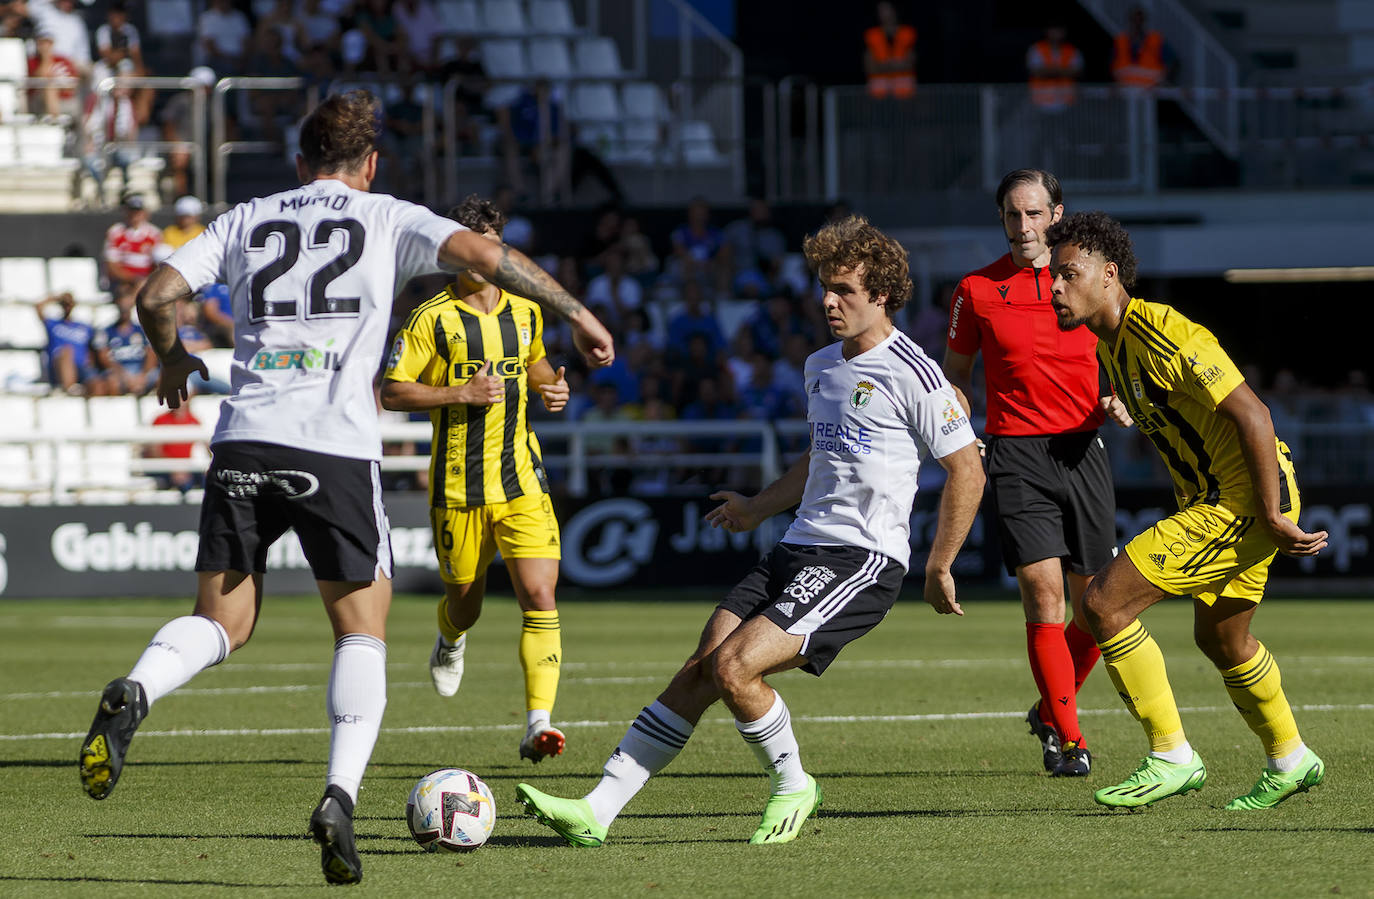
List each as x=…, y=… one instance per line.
x=1054, y=499
x=255, y=491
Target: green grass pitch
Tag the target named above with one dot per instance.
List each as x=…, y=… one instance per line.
x=932, y=785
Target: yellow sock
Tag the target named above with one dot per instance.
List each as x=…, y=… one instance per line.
x=446, y=627
x=541, y=654
x=1256, y=688
x=1136, y=666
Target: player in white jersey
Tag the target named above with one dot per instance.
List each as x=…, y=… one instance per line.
x=313, y=272
x=876, y=405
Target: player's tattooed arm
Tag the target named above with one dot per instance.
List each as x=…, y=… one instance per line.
x=520, y=275
x=157, y=311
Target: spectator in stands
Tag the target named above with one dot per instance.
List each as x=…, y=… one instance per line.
x=699, y=249
x=403, y=136
x=890, y=55
x=636, y=329
x=274, y=110
x=1054, y=66
x=129, y=244
x=930, y=321
x=614, y=288
x=108, y=120
x=175, y=480
x=176, y=124
x=604, y=236
x=187, y=224
x=772, y=322
x=534, y=130
x=466, y=66
x=711, y=404
x=695, y=317
x=55, y=102
x=15, y=20
x=318, y=28
x=127, y=361
x=1140, y=58
x=192, y=335
x=117, y=40
x=640, y=259
x=386, y=41
x=68, y=352
x=59, y=20
x=693, y=365
x=654, y=480
x=282, y=19
x=605, y=407
x=519, y=231
x=224, y=34
x=422, y=28
x=217, y=314
x=789, y=370
x=757, y=248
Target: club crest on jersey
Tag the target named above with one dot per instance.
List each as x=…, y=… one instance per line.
x=398, y=350
x=525, y=336
x=862, y=394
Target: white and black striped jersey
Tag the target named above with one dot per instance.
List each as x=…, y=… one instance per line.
x=312, y=273
x=872, y=419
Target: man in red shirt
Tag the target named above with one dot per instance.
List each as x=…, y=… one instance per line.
x=129, y=244
x=1047, y=468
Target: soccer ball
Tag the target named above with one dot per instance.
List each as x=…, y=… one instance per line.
x=450, y=809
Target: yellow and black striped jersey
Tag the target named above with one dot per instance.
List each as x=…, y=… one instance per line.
x=481, y=454
x=1171, y=373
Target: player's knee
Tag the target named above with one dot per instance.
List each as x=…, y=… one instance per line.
x=729, y=673
x=1096, y=609
x=1222, y=649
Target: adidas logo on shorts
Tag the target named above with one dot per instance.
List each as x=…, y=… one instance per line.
x=1158, y=559
x=786, y=607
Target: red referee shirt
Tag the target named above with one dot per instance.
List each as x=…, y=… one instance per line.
x=1040, y=380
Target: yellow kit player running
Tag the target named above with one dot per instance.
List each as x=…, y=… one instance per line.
x=1238, y=503
x=469, y=357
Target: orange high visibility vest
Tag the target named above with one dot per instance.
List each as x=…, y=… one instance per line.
x=1145, y=69
x=1056, y=91
x=891, y=84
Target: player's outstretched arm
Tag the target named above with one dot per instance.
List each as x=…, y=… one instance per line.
x=1255, y=430
x=551, y=385
x=959, y=501
x=482, y=389
x=737, y=512
x=512, y=270
x=157, y=314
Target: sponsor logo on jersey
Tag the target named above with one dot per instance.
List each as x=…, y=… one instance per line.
x=841, y=437
x=808, y=584
x=816, y=386
x=1204, y=376
x=510, y=367
x=1159, y=559
x=953, y=416
x=954, y=316
x=525, y=337
x=1137, y=389
x=303, y=359
x=862, y=394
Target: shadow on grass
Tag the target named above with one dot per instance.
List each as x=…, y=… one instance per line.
x=159, y=880
x=1284, y=829
x=199, y=763
x=823, y=776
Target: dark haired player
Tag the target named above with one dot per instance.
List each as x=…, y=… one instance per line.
x=470, y=356
x=1238, y=505
x=312, y=272
x=876, y=405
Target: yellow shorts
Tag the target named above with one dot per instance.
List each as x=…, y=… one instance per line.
x=467, y=539
x=1207, y=551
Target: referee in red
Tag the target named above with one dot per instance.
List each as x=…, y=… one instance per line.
x=1048, y=471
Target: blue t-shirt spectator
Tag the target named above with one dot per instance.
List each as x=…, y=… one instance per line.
x=66, y=332
x=692, y=321
x=126, y=344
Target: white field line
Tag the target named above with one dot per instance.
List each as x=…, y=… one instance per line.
x=490, y=728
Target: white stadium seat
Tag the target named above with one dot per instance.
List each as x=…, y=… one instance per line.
x=18, y=368
x=698, y=145
x=78, y=274
x=504, y=59
x=60, y=414
x=149, y=408
x=549, y=58
x=112, y=413
x=597, y=57
x=205, y=408
x=643, y=100
x=594, y=103
x=459, y=16
x=18, y=413
x=23, y=278
x=641, y=142
x=16, y=467
x=40, y=144
x=8, y=154
x=504, y=17
x=104, y=315
x=602, y=138
x=551, y=17
x=20, y=328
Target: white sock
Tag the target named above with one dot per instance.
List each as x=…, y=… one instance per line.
x=1180, y=755
x=536, y=716
x=653, y=740
x=775, y=747
x=183, y=648
x=1290, y=761
x=356, y=700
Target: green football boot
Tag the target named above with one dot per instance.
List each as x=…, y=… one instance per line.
x=1154, y=780
x=1275, y=786
x=785, y=814
x=572, y=819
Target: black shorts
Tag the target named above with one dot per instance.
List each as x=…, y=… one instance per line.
x=1054, y=499
x=827, y=595
x=255, y=491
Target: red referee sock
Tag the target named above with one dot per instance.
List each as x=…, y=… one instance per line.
x=1053, y=668
x=1084, y=650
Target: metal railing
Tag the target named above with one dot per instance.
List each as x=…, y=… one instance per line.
x=195, y=147
x=219, y=126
